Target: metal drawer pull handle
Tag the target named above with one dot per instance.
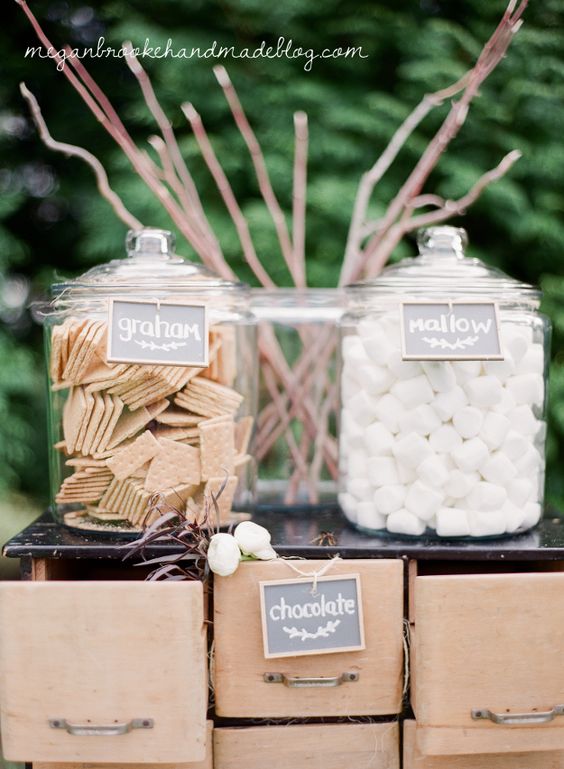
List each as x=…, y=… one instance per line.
x=310, y=683
x=515, y=719
x=108, y=730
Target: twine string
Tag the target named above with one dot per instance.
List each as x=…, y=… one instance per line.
x=315, y=575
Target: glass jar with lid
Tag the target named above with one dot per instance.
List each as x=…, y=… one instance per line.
x=152, y=368
x=443, y=397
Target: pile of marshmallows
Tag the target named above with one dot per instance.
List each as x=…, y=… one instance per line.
x=449, y=446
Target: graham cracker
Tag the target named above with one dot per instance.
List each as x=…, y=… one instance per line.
x=73, y=412
x=177, y=433
x=104, y=422
x=94, y=423
x=243, y=432
x=88, y=409
x=217, y=447
x=178, y=418
x=130, y=459
x=174, y=465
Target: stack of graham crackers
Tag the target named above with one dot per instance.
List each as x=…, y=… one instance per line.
x=131, y=431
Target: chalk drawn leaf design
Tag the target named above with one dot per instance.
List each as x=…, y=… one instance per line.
x=460, y=344
x=167, y=347
x=323, y=631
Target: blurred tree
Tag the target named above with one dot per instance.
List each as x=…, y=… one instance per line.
x=53, y=218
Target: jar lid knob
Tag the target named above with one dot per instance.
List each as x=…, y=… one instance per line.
x=446, y=240
x=149, y=242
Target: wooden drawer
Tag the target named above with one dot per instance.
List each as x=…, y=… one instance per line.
x=240, y=665
x=207, y=763
x=97, y=655
x=412, y=759
x=319, y=746
x=492, y=643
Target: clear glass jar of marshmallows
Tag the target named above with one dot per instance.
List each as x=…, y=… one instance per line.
x=450, y=444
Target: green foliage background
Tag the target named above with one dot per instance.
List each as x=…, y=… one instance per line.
x=52, y=219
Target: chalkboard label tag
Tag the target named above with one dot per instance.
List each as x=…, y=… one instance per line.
x=155, y=332
x=466, y=330
x=302, y=617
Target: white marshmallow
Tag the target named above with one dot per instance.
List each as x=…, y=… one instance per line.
x=404, y=522
x=527, y=388
x=484, y=391
x=353, y=350
x=523, y=420
x=533, y=512
x=494, y=429
x=514, y=517
x=378, y=439
x=447, y=404
x=470, y=455
x=382, y=471
x=406, y=474
x=390, y=324
x=515, y=444
x=377, y=345
x=440, y=374
x=460, y=484
x=423, y=501
x=465, y=370
x=375, y=379
x=468, y=421
x=434, y=471
x=360, y=488
x=498, y=468
x=413, y=392
x=422, y=420
x=388, y=410
x=452, y=522
x=362, y=407
x=352, y=435
x=506, y=404
x=501, y=369
x=529, y=462
x=490, y=524
x=520, y=491
x=368, y=517
x=486, y=497
x=356, y=464
x=388, y=499
x=348, y=505
x=445, y=439
x=533, y=360
x=516, y=340
x=403, y=369
x=411, y=450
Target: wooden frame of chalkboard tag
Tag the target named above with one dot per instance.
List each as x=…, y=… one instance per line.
x=183, y=314
x=491, y=339
x=275, y=648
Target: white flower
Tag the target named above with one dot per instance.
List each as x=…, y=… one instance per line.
x=254, y=540
x=223, y=554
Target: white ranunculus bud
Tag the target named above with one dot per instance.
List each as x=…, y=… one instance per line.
x=254, y=540
x=223, y=554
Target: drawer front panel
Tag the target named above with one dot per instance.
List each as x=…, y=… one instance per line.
x=240, y=665
x=327, y=746
x=94, y=656
x=413, y=759
x=207, y=763
x=494, y=644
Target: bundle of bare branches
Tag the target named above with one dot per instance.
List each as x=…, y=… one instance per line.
x=369, y=243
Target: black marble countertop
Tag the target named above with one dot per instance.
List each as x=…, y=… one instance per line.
x=296, y=532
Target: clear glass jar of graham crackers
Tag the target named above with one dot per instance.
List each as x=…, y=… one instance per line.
x=152, y=367
x=443, y=397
